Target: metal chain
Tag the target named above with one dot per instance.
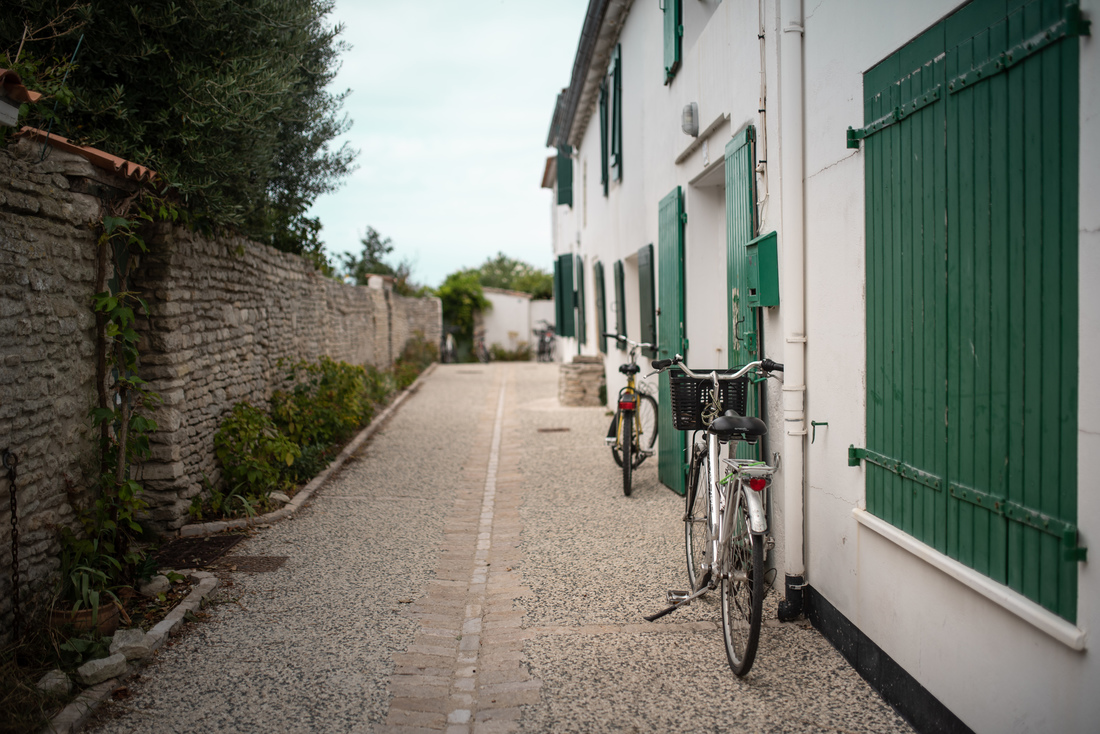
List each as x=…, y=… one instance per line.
x=10, y=462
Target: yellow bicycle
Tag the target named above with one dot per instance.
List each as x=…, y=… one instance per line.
x=633, y=430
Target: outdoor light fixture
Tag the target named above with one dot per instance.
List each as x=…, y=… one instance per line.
x=689, y=120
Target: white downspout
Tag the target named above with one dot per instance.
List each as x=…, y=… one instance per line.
x=793, y=298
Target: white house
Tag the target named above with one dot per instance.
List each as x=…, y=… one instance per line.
x=899, y=201
x=511, y=321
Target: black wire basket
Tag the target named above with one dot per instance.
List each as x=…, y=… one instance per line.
x=690, y=395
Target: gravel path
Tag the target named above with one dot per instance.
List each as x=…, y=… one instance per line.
x=469, y=573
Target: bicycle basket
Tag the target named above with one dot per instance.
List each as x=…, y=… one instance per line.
x=690, y=395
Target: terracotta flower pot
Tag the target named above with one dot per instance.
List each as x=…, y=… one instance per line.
x=81, y=620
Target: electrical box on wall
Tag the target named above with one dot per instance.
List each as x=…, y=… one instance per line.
x=762, y=265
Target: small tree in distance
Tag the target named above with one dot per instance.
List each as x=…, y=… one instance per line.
x=370, y=262
x=515, y=275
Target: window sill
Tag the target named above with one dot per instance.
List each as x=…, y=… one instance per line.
x=1064, y=632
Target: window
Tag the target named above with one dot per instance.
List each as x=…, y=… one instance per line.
x=601, y=307
x=582, y=323
x=565, y=175
x=674, y=33
x=971, y=171
x=620, y=298
x=564, y=295
x=611, y=122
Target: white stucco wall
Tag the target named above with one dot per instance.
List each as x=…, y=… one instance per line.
x=508, y=323
x=995, y=669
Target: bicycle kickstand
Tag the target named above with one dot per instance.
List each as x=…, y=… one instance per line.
x=679, y=599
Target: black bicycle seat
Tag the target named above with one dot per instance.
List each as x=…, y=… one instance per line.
x=731, y=426
x=629, y=369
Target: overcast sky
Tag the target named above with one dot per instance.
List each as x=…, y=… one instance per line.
x=451, y=102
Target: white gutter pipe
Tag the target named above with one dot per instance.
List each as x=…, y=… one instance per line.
x=793, y=280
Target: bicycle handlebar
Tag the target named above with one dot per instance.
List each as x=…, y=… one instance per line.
x=631, y=342
x=767, y=365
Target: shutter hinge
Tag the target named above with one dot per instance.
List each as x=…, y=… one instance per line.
x=854, y=136
x=684, y=217
x=680, y=30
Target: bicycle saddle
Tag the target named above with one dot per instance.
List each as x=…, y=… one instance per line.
x=629, y=369
x=731, y=426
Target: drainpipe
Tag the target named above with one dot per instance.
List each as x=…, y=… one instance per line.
x=791, y=117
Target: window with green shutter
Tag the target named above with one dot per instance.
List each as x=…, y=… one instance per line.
x=601, y=306
x=564, y=302
x=971, y=171
x=582, y=323
x=674, y=32
x=672, y=463
x=620, y=298
x=565, y=175
x=647, y=310
x=611, y=122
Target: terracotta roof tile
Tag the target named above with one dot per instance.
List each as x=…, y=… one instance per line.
x=14, y=89
x=96, y=157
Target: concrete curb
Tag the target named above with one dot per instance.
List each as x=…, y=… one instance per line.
x=288, y=510
x=73, y=717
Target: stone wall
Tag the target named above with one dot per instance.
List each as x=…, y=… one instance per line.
x=223, y=312
x=579, y=381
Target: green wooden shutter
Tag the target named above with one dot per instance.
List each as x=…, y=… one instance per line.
x=582, y=321
x=558, y=320
x=647, y=296
x=971, y=165
x=615, y=112
x=740, y=229
x=605, y=143
x=565, y=175
x=620, y=298
x=672, y=463
x=601, y=306
x=565, y=295
x=674, y=31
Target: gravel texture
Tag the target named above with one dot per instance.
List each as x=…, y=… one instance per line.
x=310, y=647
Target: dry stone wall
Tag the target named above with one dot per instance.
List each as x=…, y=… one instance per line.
x=223, y=312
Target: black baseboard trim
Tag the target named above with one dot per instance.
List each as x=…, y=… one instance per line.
x=910, y=699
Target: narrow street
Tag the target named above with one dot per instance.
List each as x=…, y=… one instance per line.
x=476, y=568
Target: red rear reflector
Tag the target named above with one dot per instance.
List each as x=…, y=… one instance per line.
x=758, y=483
x=626, y=405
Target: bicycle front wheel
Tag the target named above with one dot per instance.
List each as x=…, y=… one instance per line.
x=626, y=427
x=695, y=519
x=742, y=589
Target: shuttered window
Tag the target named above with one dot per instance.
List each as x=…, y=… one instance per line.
x=563, y=294
x=647, y=315
x=565, y=175
x=601, y=306
x=611, y=122
x=582, y=321
x=674, y=32
x=620, y=298
x=971, y=169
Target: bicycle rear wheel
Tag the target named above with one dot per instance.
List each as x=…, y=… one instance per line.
x=742, y=589
x=647, y=424
x=695, y=518
x=626, y=437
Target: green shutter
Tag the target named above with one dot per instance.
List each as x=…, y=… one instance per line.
x=615, y=114
x=566, y=295
x=604, y=142
x=972, y=271
x=674, y=31
x=601, y=306
x=565, y=175
x=740, y=230
x=671, y=460
x=647, y=315
x=582, y=321
x=557, y=296
x=620, y=298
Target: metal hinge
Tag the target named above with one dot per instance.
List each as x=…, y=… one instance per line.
x=895, y=115
x=1016, y=512
x=894, y=465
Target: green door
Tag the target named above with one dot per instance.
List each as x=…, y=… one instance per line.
x=671, y=461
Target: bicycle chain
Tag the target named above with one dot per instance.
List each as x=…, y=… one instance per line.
x=10, y=462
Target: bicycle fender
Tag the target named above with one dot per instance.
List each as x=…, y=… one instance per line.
x=758, y=522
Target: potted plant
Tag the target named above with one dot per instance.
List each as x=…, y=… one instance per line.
x=86, y=600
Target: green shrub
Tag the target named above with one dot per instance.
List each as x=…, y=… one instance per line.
x=522, y=353
x=325, y=403
x=254, y=455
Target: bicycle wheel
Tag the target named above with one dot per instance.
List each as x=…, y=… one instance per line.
x=626, y=430
x=695, y=519
x=647, y=420
x=613, y=432
x=742, y=589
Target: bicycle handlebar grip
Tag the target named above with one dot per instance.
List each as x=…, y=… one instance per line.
x=769, y=366
x=660, y=364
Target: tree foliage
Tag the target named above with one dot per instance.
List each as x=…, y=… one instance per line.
x=370, y=262
x=463, y=299
x=515, y=275
x=225, y=99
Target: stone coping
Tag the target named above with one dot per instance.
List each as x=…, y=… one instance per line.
x=303, y=495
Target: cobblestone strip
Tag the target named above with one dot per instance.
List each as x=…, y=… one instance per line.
x=464, y=673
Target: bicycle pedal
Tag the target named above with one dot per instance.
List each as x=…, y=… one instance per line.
x=646, y=452
x=677, y=597
x=609, y=441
